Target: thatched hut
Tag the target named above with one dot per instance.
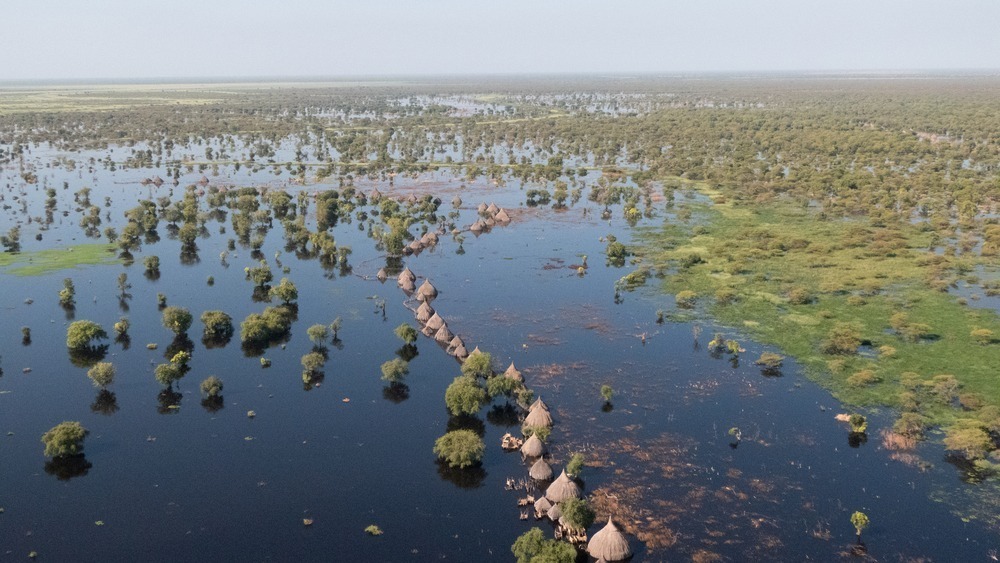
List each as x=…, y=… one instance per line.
x=542, y=507
x=492, y=209
x=414, y=247
x=533, y=447
x=456, y=342
x=609, y=544
x=481, y=208
x=375, y=195
x=443, y=334
x=540, y=470
x=424, y=312
x=538, y=404
x=145, y=181
x=554, y=513
x=562, y=488
x=407, y=275
x=460, y=352
x=502, y=217
x=157, y=181
x=491, y=222
x=407, y=285
x=512, y=373
x=427, y=291
x=537, y=418
x=203, y=180
x=477, y=227
x=381, y=275
x=435, y=322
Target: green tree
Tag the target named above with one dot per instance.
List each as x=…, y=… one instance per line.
x=218, y=325
x=129, y=240
x=285, y=291
x=575, y=465
x=460, y=448
x=499, y=385
x=102, y=374
x=313, y=361
x=406, y=333
x=859, y=424
x=152, y=264
x=968, y=438
x=578, y=513
x=211, y=386
x=260, y=275
x=478, y=364
x=318, y=334
x=395, y=370
x=607, y=393
x=860, y=521
x=177, y=319
x=67, y=295
x=335, y=327
x=533, y=547
x=843, y=338
x=64, y=439
x=464, y=396
x=166, y=374
x=81, y=334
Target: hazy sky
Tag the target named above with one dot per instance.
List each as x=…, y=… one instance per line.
x=78, y=39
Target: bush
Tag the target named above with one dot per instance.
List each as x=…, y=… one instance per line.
x=968, y=439
x=770, y=360
x=64, y=439
x=152, y=264
x=862, y=378
x=725, y=295
x=859, y=424
x=406, y=333
x=686, y=299
x=318, y=334
x=532, y=546
x=102, y=374
x=273, y=323
x=499, y=385
x=460, y=448
x=167, y=374
x=578, y=513
x=211, y=386
x=799, y=296
x=575, y=465
x=395, y=370
x=313, y=361
x=843, y=339
x=478, y=364
x=81, y=334
x=982, y=336
x=285, y=291
x=464, y=396
x=218, y=325
x=177, y=319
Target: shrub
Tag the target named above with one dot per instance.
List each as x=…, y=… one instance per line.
x=575, y=465
x=464, y=396
x=81, y=334
x=862, y=378
x=406, y=333
x=578, y=513
x=532, y=546
x=799, y=296
x=211, y=386
x=859, y=424
x=318, y=334
x=102, y=374
x=478, y=364
x=218, y=325
x=843, y=339
x=167, y=374
x=285, y=291
x=982, y=336
x=725, y=295
x=968, y=439
x=64, y=439
x=460, y=448
x=395, y=370
x=177, y=319
x=686, y=299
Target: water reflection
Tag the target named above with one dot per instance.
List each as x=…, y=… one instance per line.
x=168, y=401
x=467, y=422
x=505, y=415
x=180, y=343
x=396, y=392
x=105, y=403
x=125, y=340
x=467, y=478
x=67, y=467
x=407, y=352
x=213, y=404
x=87, y=356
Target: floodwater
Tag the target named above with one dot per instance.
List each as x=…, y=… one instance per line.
x=166, y=478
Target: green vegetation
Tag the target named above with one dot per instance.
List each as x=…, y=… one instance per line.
x=460, y=448
x=860, y=521
x=533, y=547
x=64, y=439
x=478, y=364
x=578, y=513
x=607, y=393
x=373, y=530
x=285, y=291
x=273, y=323
x=318, y=334
x=395, y=370
x=218, y=325
x=465, y=396
x=406, y=333
x=177, y=319
x=102, y=374
x=575, y=465
x=41, y=262
x=211, y=386
x=81, y=334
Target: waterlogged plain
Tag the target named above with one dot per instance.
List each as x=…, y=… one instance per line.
x=169, y=473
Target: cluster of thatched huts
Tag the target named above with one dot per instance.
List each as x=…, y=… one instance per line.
x=490, y=215
x=432, y=324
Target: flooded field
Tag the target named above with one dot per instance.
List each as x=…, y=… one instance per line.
x=700, y=454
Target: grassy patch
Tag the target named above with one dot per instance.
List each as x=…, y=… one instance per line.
x=53, y=259
x=796, y=275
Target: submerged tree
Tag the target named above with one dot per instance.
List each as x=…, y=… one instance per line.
x=464, y=396
x=64, y=439
x=532, y=546
x=860, y=521
x=102, y=374
x=460, y=448
x=395, y=370
x=177, y=319
x=82, y=334
x=211, y=386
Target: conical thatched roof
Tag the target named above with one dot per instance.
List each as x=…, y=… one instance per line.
x=512, y=373
x=538, y=404
x=562, y=488
x=476, y=227
x=482, y=208
x=407, y=285
x=542, y=505
x=427, y=290
x=610, y=544
x=432, y=237
x=554, y=513
x=443, y=334
x=381, y=275
x=540, y=471
x=460, y=352
x=203, y=180
x=490, y=222
x=415, y=246
x=406, y=274
x=424, y=312
x=435, y=322
x=533, y=447
x=538, y=417
x=456, y=342
x=492, y=209
x=375, y=195
x=502, y=216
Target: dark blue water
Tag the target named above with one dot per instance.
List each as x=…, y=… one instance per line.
x=189, y=484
